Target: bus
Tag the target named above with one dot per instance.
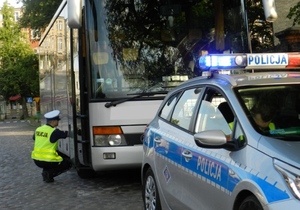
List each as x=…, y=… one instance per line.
x=108, y=64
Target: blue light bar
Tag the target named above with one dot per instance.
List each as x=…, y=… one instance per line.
x=249, y=61
x=222, y=61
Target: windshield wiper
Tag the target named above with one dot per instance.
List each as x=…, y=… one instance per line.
x=136, y=95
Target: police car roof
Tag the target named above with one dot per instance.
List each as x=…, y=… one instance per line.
x=245, y=79
x=261, y=78
x=270, y=68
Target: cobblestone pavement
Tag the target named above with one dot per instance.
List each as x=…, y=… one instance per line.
x=21, y=185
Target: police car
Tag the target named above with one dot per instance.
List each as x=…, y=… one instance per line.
x=211, y=146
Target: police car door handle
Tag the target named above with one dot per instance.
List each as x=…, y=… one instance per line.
x=187, y=154
x=157, y=139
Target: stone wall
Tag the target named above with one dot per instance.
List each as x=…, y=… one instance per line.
x=15, y=112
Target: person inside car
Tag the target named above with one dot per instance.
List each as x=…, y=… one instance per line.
x=263, y=114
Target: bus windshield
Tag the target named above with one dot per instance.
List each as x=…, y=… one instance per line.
x=138, y=46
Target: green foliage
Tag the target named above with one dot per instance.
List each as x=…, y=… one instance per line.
x=295, y=13
x=38, y=13
x=7, y=37
x=19, y=64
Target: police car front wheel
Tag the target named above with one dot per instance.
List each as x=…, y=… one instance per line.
x=250, y=203
x=150, y=192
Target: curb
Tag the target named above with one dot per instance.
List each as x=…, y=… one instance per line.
x=35, y=123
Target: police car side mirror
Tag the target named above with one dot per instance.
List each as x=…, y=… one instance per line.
x=213, y=139
x=210, y=138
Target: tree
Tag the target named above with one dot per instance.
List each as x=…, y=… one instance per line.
x=18, y=63
x=38, y=13
x=295, y=13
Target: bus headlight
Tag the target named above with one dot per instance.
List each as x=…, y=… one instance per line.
x=108, y=136
x=114, y=140
x=291, y=176
x=109, y=140
x=100, y=140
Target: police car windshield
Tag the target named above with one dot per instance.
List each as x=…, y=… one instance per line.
x=273, y=110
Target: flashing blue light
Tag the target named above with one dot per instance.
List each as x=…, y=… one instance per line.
x=224, y=61
x=249, y=61
x=221, y=61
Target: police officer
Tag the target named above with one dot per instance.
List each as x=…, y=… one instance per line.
x=263, y=114
x=45, y=153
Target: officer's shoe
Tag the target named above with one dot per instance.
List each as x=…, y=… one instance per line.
x=46, y=177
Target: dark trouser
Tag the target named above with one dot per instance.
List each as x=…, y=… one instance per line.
x=54, y=168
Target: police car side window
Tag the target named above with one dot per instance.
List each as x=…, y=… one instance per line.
x=184, y=109
x=239, y=135
x=166, y=110
x=210, y=118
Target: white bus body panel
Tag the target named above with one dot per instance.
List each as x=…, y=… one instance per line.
x=132, y=116
x=127, y=113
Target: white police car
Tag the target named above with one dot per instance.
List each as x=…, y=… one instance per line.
x=227, y=141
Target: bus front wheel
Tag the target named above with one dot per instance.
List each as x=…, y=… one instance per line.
x=85, y=173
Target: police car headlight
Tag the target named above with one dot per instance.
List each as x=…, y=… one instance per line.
x=109, y=140
x=291, y=176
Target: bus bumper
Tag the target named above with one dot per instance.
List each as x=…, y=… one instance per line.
x=110, y=158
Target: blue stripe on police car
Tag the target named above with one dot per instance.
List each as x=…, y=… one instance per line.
x=225, y=175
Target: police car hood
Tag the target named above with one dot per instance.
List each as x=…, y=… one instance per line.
x=286, y=151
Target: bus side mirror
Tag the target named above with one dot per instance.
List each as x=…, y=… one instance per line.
x=74, y=13
x=270, y=10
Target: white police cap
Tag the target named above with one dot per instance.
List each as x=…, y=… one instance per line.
x=53, y=115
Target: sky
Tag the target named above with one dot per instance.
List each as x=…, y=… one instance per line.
x=11, y=2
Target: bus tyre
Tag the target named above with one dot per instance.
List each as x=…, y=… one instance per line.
x=250, y=203
x=86, y=173
x=150, y=192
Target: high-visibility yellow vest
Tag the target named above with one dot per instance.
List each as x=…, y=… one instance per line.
x=44, y=150
x=230, y=125
x=241, y=137
x=272, y=126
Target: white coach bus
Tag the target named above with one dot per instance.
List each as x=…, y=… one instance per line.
x=108, y=64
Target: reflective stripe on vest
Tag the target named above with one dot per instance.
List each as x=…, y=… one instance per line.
x=44, y=150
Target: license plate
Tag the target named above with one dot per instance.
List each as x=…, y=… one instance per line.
x=272, y=60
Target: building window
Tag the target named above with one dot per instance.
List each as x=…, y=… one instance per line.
x=41, y=64
x=59, y=25
x=52, y=41
x=59, y=44
x=35, y=34
x=17, y=16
